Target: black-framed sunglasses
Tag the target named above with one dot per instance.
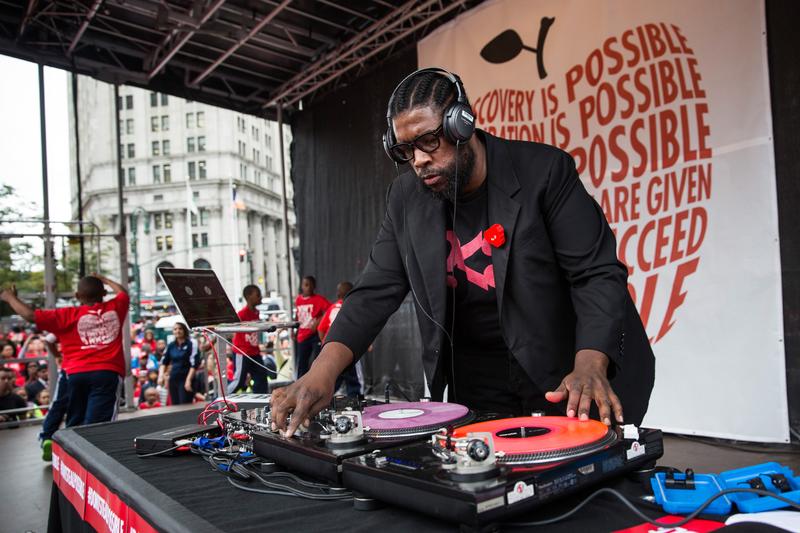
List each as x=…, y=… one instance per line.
x=427, y=142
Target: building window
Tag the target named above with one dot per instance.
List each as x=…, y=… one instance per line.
x=153, y=123
x=201, y=143
x=131, y=151
x=120, y=102
x=195, y=240
x=168, y=220
x=164, y=122
x=131, y=176
x=204, y=240
x=129, y=101
x=191, y=169
x=129, y=126
x=158, y=197
x=269, y=162
x=122, y=175
x=159, y=243
x=201, y=263
x=156, y=174
x=167, y=173
x=156, y=148
x=201, y=170
x=257, y=176
x=164, y=102
x=194, y=220
x=168, y=242
x=190, y=120
x=195, y=194
x=201, y=119
x=153, y=99
x=190, y=144
x=256, y=133
x=204, y=217
x=157, y=220
x=165, y=147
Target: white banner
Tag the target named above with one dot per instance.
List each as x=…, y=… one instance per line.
x=665, y=107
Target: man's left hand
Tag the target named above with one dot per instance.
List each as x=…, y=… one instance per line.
x=588, y=383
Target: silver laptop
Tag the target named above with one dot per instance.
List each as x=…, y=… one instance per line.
x=202, y=301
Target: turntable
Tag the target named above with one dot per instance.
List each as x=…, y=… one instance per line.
x=483, y=472
x=349, y=431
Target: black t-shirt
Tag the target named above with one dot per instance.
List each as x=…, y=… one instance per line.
x=486, y=375
x=12, y=401
x=471, y=275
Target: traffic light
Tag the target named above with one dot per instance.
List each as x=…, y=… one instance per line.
x=242, y=255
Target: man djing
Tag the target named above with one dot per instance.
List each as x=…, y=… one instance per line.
x=521, y=302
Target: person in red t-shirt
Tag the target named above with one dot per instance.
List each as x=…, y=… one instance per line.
x=349, y=375
x=246, y=354
x=91, y=344
x=310, y=308
x=150, y=399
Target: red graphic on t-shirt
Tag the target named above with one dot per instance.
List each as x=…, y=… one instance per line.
x=459, y=253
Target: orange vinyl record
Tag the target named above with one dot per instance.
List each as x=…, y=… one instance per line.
x=531, y=440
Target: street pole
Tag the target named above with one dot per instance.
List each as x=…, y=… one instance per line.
x=137, y=304
x=285, y=201
x=123, y=255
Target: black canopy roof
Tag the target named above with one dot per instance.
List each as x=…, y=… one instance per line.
x=246, y=55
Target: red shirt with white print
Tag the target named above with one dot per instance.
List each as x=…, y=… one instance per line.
x=327, y=319
x=247, y=342
x=90, y=335
x=309, y=308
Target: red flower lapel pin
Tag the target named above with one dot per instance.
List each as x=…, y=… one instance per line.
x=495, y=235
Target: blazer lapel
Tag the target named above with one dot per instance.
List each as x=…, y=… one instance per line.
x=426, y=226
x=503, y=209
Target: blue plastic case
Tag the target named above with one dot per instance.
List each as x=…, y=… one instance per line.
x=684, y=497
x=686, y=500
x=766, y=472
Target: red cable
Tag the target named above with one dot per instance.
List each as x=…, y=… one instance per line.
x=227, y=406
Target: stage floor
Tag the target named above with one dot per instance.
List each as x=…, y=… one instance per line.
x=27, y=480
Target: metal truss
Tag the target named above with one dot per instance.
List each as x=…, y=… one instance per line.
x=403, y=21
x=247, y=55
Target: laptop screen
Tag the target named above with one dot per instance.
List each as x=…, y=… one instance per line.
x=199, y=296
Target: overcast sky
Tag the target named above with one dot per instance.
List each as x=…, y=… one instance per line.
x=20, y=154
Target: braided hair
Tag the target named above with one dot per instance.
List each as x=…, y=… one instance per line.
x=426, y=89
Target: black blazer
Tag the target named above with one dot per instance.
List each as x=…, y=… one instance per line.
x=560, y=287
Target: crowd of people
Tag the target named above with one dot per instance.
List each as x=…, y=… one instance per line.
x=169, y=366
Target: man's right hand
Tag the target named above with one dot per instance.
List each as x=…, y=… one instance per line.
x=309, y=394
x=8, y=293
x=302, y=399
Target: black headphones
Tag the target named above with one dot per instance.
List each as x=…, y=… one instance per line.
x=458, y=122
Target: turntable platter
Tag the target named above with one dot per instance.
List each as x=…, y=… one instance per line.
x=404, y=419
x=542, y=439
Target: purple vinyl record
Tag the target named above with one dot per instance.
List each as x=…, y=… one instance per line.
x=411, y=415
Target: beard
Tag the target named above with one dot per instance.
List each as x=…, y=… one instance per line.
x=456, y=181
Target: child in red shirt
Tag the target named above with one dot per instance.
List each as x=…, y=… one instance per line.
x=91, y=343
x=247, y=356
x=310, y=308
x=349, y=375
